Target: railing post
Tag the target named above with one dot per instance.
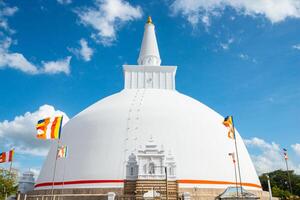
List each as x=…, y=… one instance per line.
x=18, y=196
x=25, y=196
x=111, y=196
x=186, y=196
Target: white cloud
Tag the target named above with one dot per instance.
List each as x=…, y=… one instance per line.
x=227, y=44
x=84, y=52
x=270, y=156
x=6, y=11
x=14, y=60
x=59, y=66
x=20, y=132
x=296, y=46
x=205, y=20
x=274, y=10
x=244, y=56
x=36, y=172
x=296, y=148
x=18, y=61
x=224, y=46
x=64, y=2
x=106, y=17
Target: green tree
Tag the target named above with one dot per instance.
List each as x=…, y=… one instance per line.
x=7, y=183
x=280, y=184
x=283, y=194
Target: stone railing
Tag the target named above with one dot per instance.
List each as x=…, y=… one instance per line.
x=151, y=176
x=156, y=176
x=108, y=196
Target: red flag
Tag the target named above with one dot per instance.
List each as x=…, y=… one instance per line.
x=2, y=157
x=232, y=156
x=11, y=155
x=6, y=156
x=286, y=157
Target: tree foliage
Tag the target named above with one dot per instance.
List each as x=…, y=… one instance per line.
x=280, y=184
x=7, y=183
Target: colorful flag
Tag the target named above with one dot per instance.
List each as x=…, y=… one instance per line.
x=286, y=157
x=6, y=156
x=228, y=122
x=49, y=128
x=232, y=156
x=62, y=152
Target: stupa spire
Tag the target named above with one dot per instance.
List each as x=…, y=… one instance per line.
x=149, y=53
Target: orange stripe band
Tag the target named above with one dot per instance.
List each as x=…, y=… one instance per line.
x=216, y=183
x=77, y=182
x=122, y=181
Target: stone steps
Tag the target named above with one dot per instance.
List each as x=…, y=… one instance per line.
x=139, y=187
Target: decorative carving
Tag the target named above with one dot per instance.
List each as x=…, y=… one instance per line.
x=132, y=168
x=150, y=61
x=149, y=163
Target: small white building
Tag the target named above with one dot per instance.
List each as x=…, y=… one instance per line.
x=26, y=182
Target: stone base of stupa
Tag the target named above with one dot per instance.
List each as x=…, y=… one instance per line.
x=212, y=193
x=102, y=194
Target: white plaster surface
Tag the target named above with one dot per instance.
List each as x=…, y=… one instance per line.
x=101, y=138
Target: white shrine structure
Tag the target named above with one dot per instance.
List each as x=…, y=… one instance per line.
x=150, y=163
x=26, y=182
x=123, y=143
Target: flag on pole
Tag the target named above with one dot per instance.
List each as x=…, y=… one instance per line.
x=286, y=157
x=232, y=156
x=6, y=156
x=228, y=122
x=49, y=128
x=62, y=152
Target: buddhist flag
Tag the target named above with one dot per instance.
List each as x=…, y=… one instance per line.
x=228, y=122
x=6, y=156
x=62, y=152
x=286, y=157
x=49, y=128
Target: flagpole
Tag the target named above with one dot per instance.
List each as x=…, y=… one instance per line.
x=10, y=167
x=236, y=181
x=269, y=186
x=43, y=129
x=289, y=177
x=235, y=175
x=237, y=157
x=54, y=171
x=63, y=181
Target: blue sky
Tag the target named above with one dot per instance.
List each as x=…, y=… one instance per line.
x=238, y=58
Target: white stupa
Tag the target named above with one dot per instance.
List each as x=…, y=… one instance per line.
x=133, y=133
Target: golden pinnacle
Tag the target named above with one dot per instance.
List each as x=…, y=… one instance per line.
x=149, y=20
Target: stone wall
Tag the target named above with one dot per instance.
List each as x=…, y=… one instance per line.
x=101, y=194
